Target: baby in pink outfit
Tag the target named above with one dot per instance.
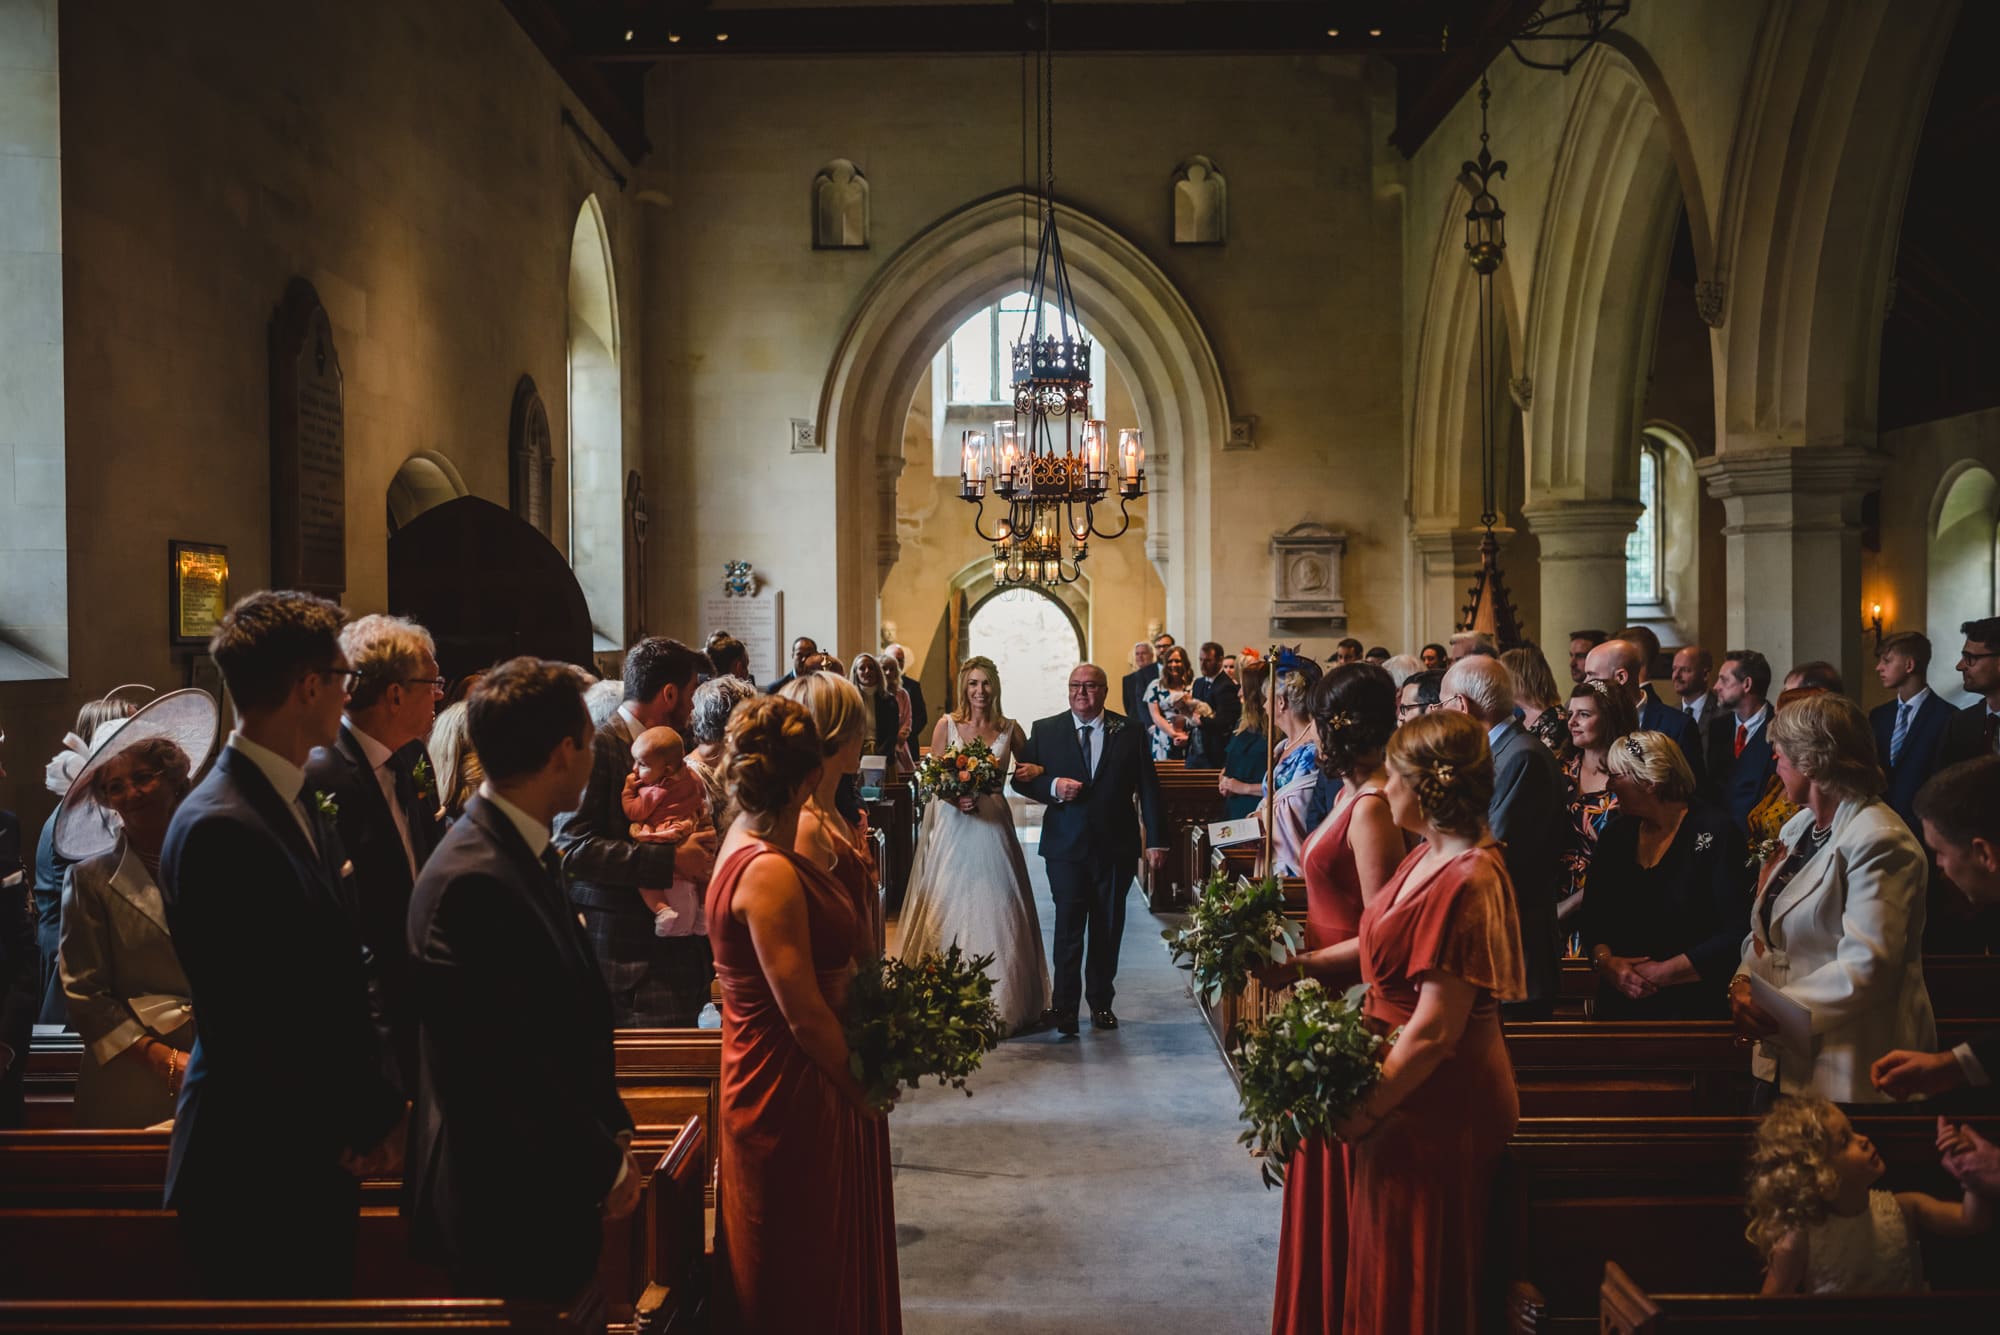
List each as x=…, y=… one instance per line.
x=666, y=802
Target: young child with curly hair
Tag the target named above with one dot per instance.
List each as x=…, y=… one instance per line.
x=1820, y=1222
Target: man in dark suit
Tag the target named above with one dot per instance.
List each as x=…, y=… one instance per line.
x=1224, y=699
x=285, y=1104
x=1145, y=667
x=1909, y=730
x=655, y=982
x=1959, y=811
x=386, y=808
x=1092, y=765
x=920, y=714
x=1526, y=816
x=803, y=648
x=1975, y=730
x=521, y=1145
x=1738, y=738
x=1622, y=663
x=1694, y=684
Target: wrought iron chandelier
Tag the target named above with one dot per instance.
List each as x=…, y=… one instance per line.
x=1050, y=463
x=1491, y=609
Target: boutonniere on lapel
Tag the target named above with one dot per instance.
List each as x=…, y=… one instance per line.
x=324, y=803
x=1766, y=850
x=1703, y=842
x=1113, y=726
x=420, y=774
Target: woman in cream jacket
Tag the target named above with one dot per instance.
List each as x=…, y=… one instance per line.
x=1838, y=923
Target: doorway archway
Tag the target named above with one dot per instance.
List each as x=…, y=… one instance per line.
x=425, y=481
x=596, y=436
x=1035, y=641
x=965, y=262
x=1964, y=549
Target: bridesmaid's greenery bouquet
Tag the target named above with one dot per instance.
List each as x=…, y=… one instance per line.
x=969, y=769
x=1303, y=1068
x=1234, y=928
x=911, y=1021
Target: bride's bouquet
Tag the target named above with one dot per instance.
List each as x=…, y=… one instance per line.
x=969, y=769
x=1302, y=1069
x=908, y=1022
x=1233, y=930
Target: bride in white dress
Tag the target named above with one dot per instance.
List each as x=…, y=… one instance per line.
x=969, y=878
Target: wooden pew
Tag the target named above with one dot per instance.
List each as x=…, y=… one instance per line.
x=68, y=1199
x=895, y=814
x=368, y=1317
x=1663, y=1198
x=665, y=1076
x=1960, y=985
x=1190, y=800
x=1626, y=1309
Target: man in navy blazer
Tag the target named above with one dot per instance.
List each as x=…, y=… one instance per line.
x=1909, y=730
x=285, y=1105
x=1975, y=730
x=521, y=1145
x=1092, y=765
x=386, y=808
x=1145, y=667
x=1740, y=759
x=1623, y=663
x=1225, y=702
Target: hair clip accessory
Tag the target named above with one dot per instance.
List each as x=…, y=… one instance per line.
x=1633, y=749
x=1340, y=721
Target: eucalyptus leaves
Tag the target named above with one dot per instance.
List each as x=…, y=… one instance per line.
x=1304, y=1068
x=907, y=1022
x=1234, y=929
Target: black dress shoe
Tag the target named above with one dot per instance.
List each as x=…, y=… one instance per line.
x=1063, y=1022
x=1103, y=1019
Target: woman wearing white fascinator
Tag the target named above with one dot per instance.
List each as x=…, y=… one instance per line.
x=127, y=994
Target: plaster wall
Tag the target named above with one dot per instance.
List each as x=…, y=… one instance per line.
x=744, y=316
x=410, y=162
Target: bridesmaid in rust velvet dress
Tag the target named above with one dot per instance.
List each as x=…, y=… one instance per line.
x=1440, y=947
x=1346, y=861
x=803, y=1240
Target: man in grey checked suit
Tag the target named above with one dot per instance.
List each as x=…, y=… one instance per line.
x=655, y=982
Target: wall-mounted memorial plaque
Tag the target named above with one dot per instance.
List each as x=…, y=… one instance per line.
x=308, y=449
x=756, y=620
x=197, y=590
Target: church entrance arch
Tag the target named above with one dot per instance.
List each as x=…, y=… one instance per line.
x=1035, y=640
x=960, y=265
x=425, y=481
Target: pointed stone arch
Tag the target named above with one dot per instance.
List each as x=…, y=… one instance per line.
x=958, y=266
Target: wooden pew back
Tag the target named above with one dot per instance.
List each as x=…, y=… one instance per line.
x=1626, y=1309
x=369, y=1317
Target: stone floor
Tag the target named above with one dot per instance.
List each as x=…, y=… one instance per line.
x=1090, y=1185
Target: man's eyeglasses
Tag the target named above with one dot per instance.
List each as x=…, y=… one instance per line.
x=435, y=683
x=1415, y=707
x=1969, y=657
x=344, y=675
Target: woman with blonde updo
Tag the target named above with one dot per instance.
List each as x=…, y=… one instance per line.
x=805, y=1231
x=1440, y=947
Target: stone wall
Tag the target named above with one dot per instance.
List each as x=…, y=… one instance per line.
x=410, y=161
x=744, y=317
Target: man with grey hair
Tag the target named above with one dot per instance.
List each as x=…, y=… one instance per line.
x=920, y=714
x=1622, y=664
x=379, y=787
x=1526, y=816
x=1467, y=643
x=1145, y=667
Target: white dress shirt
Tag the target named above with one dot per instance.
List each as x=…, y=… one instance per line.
x=1097, y=735
x=533, y=832
x=284, y=776
x=385, y=779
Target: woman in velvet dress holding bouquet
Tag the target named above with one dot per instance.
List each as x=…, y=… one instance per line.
x=805, y=1230
x=1440, y=947
x=1347, y=860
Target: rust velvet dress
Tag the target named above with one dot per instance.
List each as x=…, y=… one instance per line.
x=1312, y=1240
x=804, y=1235
x=1421, y=1184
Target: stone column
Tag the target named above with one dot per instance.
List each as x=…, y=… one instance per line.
x=1793, y=550
x=1583, y=564
x=1447, y=562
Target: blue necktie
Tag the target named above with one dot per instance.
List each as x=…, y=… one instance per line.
x=1083, y=737
x=1902, y=730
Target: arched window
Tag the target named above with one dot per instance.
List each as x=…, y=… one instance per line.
x=1643, y=584
x=596, y=430
x=974, y=375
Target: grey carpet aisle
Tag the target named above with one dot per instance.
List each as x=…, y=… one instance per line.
x=1091, y=1185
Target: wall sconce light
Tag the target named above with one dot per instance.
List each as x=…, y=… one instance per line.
x=1874, y=623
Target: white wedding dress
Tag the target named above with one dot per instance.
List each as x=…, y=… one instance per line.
x=969, y=884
